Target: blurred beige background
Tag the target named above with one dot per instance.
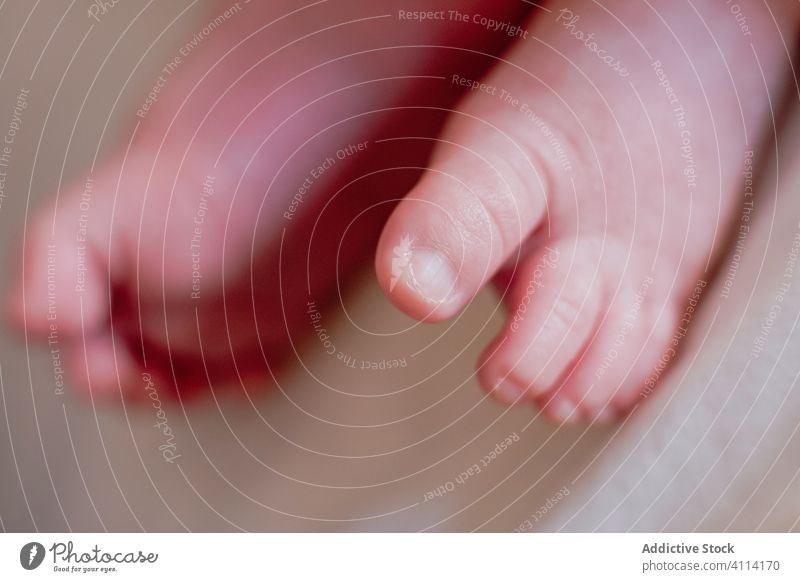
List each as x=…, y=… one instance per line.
x=716, y=448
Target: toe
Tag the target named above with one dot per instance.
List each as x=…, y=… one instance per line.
x=64, y=282
x=484, y=194
x=100, y=366
x=554, y=307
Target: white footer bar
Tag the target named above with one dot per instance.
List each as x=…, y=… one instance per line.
x=355, y=557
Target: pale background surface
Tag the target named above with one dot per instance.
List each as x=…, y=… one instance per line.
x=716, y=448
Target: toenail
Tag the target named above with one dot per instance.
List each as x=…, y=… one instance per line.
x=507, y=391
x=564, y=411
x=431, y=276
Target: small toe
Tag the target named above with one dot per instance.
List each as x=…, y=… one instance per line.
x=554, y=306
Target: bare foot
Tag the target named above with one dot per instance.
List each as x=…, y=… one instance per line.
x=593, y=178
x=189, y=255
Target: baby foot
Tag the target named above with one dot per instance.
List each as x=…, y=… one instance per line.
x=188, y=257
x=592, y=177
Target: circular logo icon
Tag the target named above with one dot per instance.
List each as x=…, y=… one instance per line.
x=31, y=555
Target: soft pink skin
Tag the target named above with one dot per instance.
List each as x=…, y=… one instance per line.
x=210, y=119
x=495, y=203
x=497, y=194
